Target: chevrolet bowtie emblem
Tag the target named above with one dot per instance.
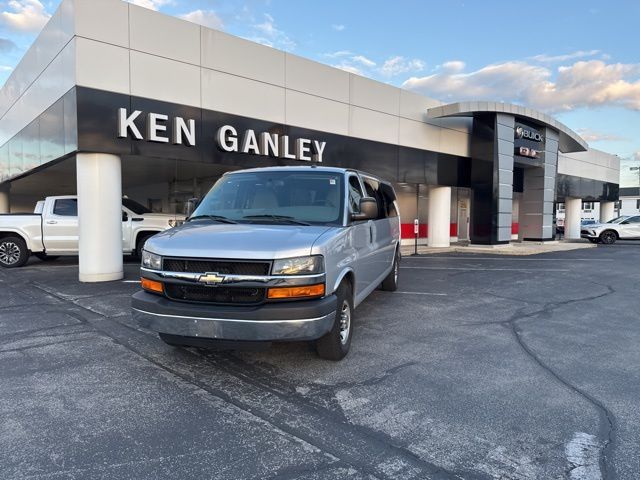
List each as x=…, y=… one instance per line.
x=211, y=278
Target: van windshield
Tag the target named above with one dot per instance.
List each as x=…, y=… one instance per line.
x=281, y=196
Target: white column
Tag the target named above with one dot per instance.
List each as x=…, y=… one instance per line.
x=607, y=212
x=5, y=205
x=573, y=212
x=99, y=186
x=439, y=217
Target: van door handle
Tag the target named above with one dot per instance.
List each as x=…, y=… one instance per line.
x=51, y=222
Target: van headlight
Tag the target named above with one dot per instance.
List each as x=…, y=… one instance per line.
x=299, y=265
x=151, y=260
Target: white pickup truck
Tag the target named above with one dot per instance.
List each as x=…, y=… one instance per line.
x=52, y=230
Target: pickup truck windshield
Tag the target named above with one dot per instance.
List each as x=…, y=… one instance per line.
x=135, y=207
x=283, y=197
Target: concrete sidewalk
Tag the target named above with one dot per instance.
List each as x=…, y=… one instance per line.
x=516, y=248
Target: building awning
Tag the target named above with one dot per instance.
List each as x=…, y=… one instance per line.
x=569, y=141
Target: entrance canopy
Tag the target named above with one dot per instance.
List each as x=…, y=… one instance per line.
x=569, y=141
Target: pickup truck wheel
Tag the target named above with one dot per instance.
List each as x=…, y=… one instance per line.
x=140, y=245
x=13, y=252
x=390, y=284
x=335, y=344
x=608, y=237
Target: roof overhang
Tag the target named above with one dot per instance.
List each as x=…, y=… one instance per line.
x=569, y=141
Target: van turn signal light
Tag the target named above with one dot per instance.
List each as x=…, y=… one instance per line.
x=296, y=292
x=151, y=285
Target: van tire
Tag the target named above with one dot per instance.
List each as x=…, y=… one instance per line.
x=13, y=252
x=335, y=344
x=390, y=284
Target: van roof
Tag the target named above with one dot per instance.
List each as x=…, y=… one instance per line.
x=313, y=167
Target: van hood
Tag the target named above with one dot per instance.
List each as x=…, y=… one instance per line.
x=242, y=241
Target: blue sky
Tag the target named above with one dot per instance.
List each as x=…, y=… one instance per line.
x=576, y=60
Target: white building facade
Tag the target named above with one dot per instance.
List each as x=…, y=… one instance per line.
x=113, y=98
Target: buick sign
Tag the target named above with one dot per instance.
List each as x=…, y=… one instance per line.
x=528, y=134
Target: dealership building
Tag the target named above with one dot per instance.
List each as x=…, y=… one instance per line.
x=115, y=99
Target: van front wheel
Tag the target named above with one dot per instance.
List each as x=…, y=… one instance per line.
x=335, y=344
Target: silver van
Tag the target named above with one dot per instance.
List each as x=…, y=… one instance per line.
x=273, y=254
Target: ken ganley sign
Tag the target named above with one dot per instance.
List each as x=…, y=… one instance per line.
x=178, y=131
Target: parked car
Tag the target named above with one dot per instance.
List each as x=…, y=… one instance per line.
x=273, y=254
x=624, y=227
x=53, y=230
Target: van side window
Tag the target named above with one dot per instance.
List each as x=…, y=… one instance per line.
x=389, y=200
x=66, y=207
x=355, y=194
x=372, y=187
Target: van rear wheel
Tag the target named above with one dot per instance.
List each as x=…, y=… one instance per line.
x=13, y=252
x=335, y=344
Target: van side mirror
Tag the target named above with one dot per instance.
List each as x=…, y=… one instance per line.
x=125, y=217
x=368, y=209
x=190, y=205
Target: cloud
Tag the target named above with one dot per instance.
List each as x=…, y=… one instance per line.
x=208, y=18
x=339, y=53
x=362, y=60
x=151, y=4
x=338, y=28
x=268, y=34
x=544, y=58
x=590, y=83
x=6, y=45
x=5, y=68
x=25, y=15
x=594, y=136
x=397, y=65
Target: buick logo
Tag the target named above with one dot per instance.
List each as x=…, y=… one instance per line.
x=528, y=134
x=211, y=278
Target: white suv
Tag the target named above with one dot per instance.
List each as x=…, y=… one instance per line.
x=621, y=228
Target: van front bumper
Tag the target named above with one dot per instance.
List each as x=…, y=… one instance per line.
x=282, y=321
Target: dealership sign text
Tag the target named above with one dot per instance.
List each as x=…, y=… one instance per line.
x=180, y=131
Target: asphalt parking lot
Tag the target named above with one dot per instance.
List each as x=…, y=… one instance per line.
x=480, y=367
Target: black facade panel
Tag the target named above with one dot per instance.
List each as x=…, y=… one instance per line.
x=483, y=181
x=97, y=132
x=585, y=188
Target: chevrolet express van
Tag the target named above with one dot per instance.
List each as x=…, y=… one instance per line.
x=273, y=254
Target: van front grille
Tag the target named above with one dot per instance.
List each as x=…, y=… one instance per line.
x=217, y=295
x=221, y=266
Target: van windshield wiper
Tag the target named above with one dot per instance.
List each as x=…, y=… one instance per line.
x=277, y=218
x=218, y=218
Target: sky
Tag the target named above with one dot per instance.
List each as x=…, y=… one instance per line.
x=578, y=61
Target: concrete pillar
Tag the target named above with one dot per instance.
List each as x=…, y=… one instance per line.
x=607, y=211
x=439, y=217
x=5, y=204
x=99, y=190
x=573, y=212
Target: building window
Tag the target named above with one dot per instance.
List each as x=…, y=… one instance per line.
x=617, y=205
x=561, y=207
x=638, y=204
x=587, y=206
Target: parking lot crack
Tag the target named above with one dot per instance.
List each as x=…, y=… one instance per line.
x=607, y=419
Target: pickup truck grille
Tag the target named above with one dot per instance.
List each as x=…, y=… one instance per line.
x=226, y=267
x=219, y=295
